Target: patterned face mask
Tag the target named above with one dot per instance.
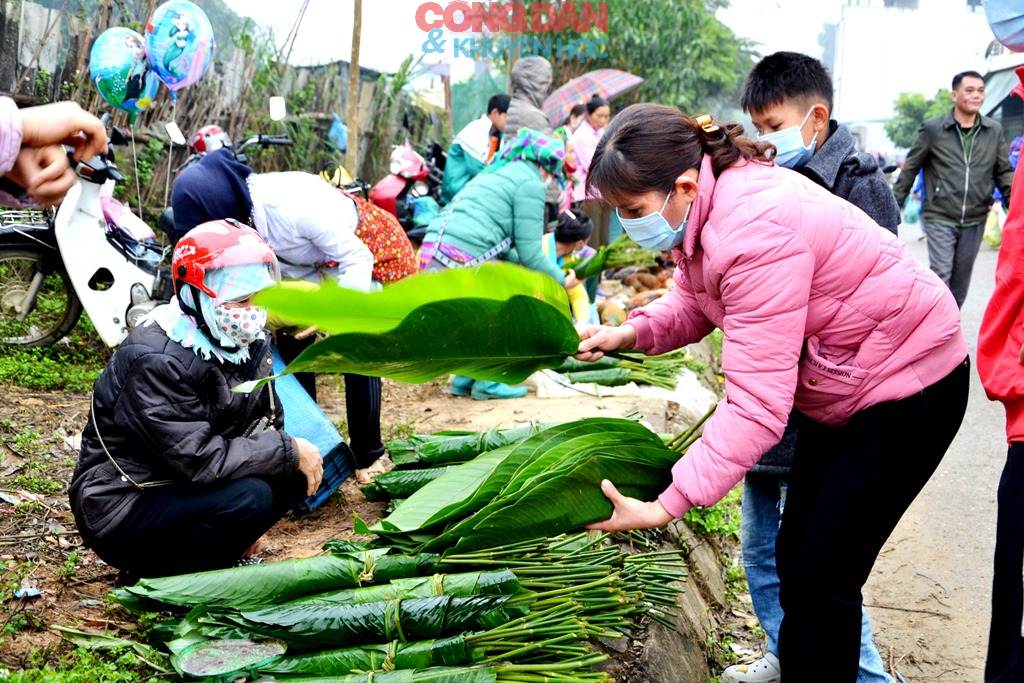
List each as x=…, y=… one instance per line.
x=242, y=324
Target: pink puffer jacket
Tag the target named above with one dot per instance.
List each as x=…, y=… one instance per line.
x=814, y=299
x=10, y=145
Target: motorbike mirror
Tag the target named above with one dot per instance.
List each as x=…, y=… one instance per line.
x=278, y=108
x=117, y=137
x=175, y=134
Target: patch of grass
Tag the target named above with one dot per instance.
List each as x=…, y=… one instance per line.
x=721, y=519
x=400, y=430
x=72, y=364
x=87, y=666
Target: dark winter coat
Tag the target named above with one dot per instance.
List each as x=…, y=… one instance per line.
x=855, y=177
x=531, y=83
x=958, y=187
x=165, y=414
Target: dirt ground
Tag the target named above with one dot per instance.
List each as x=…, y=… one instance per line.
x=40, y=549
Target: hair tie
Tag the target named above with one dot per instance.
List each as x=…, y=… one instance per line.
x=704, y=121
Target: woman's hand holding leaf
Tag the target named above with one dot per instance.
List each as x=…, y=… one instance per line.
x=630, y=513
x=594, y=339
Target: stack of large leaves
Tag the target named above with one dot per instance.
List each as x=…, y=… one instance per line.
x=621, y=252
x=546, y=485
x=420, y=458
x=497, y=322
x=531, y=619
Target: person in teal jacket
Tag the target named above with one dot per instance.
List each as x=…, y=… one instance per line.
x=474, y=147
x=499, y=215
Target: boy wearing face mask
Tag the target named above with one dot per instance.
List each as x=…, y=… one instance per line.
x=789, y=98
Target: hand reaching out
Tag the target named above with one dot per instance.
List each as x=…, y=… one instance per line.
x=630, y=513
x=44, y=173
x=63, y=123
x=311, y=464
x=594, y=339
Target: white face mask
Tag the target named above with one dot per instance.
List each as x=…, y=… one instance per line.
x=241, y=325
x=791, y=151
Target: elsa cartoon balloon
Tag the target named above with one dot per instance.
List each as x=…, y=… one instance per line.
x=119, y=67
x=179, y=41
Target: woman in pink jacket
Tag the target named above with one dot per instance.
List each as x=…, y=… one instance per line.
x=585, y=140
x=819, y=307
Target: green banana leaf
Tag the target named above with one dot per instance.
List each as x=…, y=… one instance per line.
x=317, y=626
x=445, y=448
x=399, y=483
x=500, y=582
x=497, y=341
x=269, y=583
x=433, y=675
x=338, y=310
x=418, y=655
x=454, y=494
x=469, y=487
x=570, y=497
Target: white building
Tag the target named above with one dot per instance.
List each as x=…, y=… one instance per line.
x=885, y=47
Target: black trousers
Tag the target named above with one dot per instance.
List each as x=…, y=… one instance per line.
x=1005, y=661
x=182, y=529
x=362, y=402
x=849, y=487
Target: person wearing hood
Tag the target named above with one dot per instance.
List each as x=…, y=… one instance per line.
x=531, y=83
x=177, y=473
x=317, y=232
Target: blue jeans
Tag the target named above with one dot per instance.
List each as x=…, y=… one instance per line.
x=764, y=499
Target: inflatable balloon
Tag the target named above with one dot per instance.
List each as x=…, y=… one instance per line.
x=179, y=41
x=121, y=72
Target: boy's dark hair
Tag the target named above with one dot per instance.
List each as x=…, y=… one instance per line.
x=965, y=74
x=499, y=102
x=578, y=110
x=785, y=76
x=573, y=227
x=595, y=103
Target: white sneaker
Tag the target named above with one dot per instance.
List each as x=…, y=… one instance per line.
x=764, y=670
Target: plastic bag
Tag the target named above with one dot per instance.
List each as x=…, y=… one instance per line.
x=337, y=136
x=912, y=210
x=994, y=225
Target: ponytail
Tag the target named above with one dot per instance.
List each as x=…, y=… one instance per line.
x=648, y=146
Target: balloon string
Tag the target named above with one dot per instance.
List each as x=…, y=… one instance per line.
x=167, y=185
x=135, y=166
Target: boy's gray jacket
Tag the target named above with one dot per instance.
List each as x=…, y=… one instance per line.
x=855, y=176
x=957, y=192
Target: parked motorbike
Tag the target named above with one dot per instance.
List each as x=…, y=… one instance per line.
x=413, y=176
x=56, y=263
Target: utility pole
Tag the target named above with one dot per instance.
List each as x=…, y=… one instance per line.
x=352, y=154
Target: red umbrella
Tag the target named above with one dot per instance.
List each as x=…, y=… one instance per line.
x=608, y=83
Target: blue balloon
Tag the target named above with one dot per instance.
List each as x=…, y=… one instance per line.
x=179, y=40
x=119, y=67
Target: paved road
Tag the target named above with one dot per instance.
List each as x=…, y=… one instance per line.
x=929, y=595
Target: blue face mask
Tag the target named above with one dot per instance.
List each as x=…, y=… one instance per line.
x=1006, y=19
x=653, y=231
x=789, y=144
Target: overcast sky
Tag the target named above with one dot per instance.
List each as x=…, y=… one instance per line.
x=390, y=32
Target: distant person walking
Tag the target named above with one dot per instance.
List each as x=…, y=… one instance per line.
x=964, y=155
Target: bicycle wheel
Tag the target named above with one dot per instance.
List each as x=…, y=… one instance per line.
x=57, y=307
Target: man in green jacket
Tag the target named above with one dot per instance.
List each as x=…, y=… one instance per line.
x=964, y=155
